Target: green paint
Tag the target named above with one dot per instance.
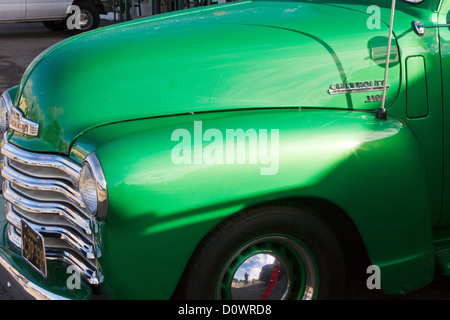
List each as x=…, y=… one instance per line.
x=122, y=92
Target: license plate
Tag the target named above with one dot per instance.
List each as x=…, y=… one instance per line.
x=33, y=249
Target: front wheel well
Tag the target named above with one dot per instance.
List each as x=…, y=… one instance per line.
x=346, y=237
x=353, y=248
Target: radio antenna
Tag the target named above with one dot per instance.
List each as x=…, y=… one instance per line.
x=381, y=113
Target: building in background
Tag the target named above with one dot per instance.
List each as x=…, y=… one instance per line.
x=123, y=10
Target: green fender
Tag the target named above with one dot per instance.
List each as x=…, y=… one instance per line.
x=159, y=210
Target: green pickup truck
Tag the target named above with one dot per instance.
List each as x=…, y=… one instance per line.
x=250, y=150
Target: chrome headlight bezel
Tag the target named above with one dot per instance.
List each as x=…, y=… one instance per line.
x=92, y=184
x=5, y=108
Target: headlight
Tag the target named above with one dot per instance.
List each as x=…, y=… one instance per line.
x=88, y=189
x=5, y=105
x=92, y=186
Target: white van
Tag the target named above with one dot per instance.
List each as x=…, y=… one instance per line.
x=53, y=13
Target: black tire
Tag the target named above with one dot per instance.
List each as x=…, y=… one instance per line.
x=55, y=25
x=90, y=18
x=297, y=241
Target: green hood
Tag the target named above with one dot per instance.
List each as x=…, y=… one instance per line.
x=253, y=54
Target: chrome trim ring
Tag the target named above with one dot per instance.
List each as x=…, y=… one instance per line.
x=6, y=101
x=6, y=97
x=102, y=192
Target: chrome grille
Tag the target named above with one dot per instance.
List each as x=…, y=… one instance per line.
x=42, y=189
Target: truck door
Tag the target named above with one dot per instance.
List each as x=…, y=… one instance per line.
x=12, y=10
x=47, y=9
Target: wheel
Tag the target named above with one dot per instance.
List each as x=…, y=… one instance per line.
x=268, y=253
x=89, y=18
x=55, y=25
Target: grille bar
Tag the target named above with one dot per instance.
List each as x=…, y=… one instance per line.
x=42, y=190
x=44, y=207
x=41, y=160
x=40, y=184
x=65, y=234
x=60, y=253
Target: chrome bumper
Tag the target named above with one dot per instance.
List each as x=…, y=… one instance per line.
x=20, y=288
x=22, y=282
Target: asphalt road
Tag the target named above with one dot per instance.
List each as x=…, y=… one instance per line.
x=21, y=43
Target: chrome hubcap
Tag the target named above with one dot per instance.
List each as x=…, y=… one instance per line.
x=269, y=268
x=262, y=276
x=85, y=20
